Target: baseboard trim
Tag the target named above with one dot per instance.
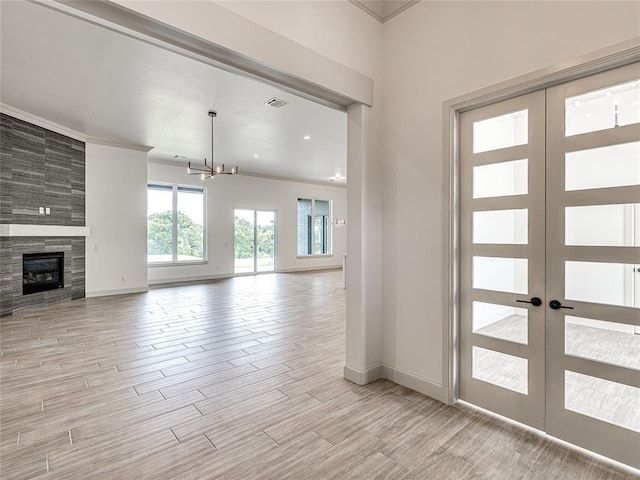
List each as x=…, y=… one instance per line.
x=362, y=377
x=310, y=269
x=118, y=291
x=178, y=282
x=395, y=375
x=420, y=385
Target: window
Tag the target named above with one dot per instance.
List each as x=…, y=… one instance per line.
x=314, y=221
x=175, y=224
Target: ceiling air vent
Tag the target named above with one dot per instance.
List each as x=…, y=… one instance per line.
x=276, y=102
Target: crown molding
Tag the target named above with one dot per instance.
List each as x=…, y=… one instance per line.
x=41, y=122
x=67, y=132
x=383, y=10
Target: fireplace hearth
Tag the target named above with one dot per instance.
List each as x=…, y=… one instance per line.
x=42, y=272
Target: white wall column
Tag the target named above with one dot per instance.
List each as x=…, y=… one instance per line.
x=364, y=281
x=116, y=210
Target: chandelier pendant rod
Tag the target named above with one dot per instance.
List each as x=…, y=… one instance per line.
x=210, y=170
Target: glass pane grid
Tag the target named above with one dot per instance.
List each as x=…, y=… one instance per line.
x=190, y=224
x=500, y=274
x=500, y=369
x=603, y=225
x=500, y=321
x=503, y=131
x=610, y=107
x=603, y=167
x=243, y=241
x=600, y=282
x=304, y=214
x=501, y=227
x=602, y=341
x=159, y=224
x=611, y=402
x=265, y=239
x=501, y=179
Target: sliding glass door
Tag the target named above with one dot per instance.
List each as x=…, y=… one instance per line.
x=254, y=241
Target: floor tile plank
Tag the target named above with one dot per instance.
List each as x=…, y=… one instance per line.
x=239, y=378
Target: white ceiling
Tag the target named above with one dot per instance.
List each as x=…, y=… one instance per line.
x=107, y=85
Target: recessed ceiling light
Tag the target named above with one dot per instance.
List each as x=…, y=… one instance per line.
x=256, y=156
x=307, y=137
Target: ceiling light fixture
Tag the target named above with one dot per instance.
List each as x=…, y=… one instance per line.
x=208, y=171
x=307, y=137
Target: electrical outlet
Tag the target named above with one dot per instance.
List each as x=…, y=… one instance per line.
x=96, y=248
x=41, y=210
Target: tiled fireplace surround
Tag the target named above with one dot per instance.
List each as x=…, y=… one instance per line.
x=39, y=168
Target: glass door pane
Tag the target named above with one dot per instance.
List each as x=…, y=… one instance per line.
x=254, y=241
x=502, y=258
x=593, y=173
x=266, y=241
x=244, y=241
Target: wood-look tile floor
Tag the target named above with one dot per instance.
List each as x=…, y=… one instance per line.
x=236, y=379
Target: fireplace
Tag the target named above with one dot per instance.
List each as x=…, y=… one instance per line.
x=42, y=271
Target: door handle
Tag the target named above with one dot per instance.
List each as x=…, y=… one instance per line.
x=556, y=305
x=535, y=301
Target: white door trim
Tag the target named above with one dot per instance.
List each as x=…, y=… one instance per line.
x=611, y=57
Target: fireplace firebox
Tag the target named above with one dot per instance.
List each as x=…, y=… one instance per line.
x=42, y=272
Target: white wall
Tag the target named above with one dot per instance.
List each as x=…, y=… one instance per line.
x=433, y=52
x=240, y=191
x=116, y=209
x=335, y=29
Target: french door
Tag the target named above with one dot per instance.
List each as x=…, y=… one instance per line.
x=549, y=261
x=254, y=241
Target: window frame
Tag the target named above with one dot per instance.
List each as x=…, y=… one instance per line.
x=329, y=228
x=175, y=189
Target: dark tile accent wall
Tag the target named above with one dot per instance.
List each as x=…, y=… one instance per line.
x=40, y=168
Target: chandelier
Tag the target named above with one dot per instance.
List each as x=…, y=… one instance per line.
x=209, y=171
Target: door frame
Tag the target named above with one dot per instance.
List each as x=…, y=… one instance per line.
x=606, y=59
